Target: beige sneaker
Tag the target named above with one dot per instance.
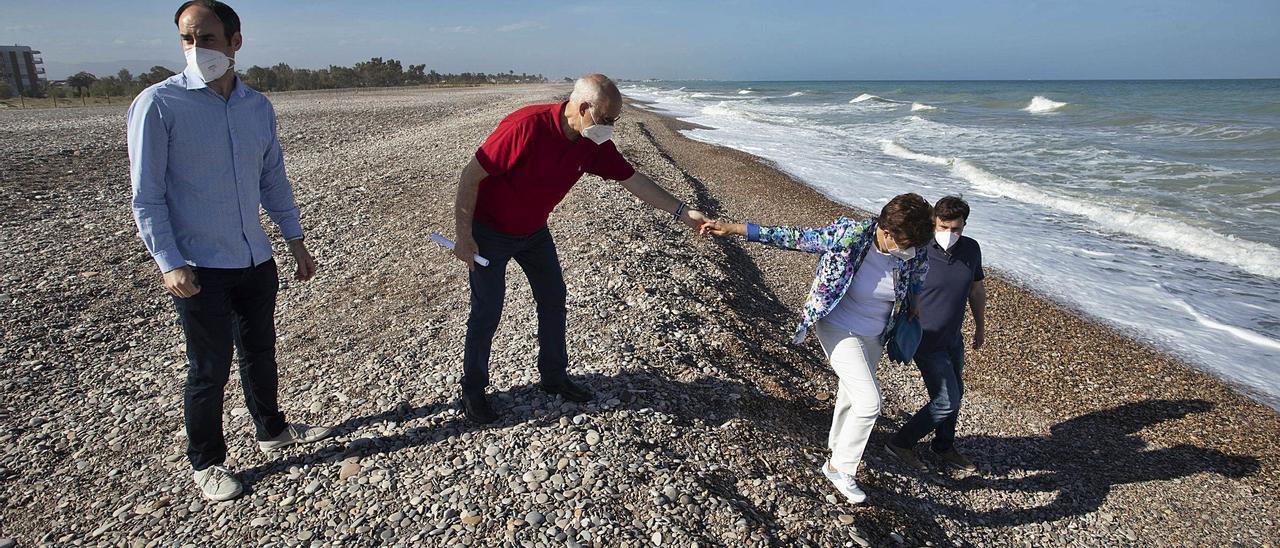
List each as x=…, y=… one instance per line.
x=295, y=434
x=954, y=459
x=907, y=456
x=218, y=483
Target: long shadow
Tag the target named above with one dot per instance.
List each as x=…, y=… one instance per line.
x=1083, y=458
x=707, y=401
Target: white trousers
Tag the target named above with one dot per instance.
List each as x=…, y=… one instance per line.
x=854, y=359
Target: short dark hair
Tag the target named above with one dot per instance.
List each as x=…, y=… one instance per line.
x=230, y=21
x=909, y=219
x=950, y=208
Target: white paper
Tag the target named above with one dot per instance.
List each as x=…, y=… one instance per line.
x=437, y=238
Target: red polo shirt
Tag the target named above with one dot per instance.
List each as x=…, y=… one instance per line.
x=532, y=166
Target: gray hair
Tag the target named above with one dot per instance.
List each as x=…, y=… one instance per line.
x=592, y=88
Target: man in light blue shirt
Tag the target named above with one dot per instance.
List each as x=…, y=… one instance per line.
x=203, y=158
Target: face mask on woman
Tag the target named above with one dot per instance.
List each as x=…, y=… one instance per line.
x=903, y=253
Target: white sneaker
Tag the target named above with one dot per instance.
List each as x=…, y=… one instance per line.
x=295, y=434
x=217, y=483
x=844, y=483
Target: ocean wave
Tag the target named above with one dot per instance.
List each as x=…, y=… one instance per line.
x=1253, y=257
x=1238, y=332
x=1213, y=132
x=1041, y=104
x=746, y=91
x=796, y=94
x=869, y=97
x=892, y=148
x=917, y=107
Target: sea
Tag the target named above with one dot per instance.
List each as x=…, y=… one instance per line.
x=1152, y=206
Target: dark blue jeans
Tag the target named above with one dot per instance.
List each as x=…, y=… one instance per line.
x=235, y=309
x=536, y=255
x=943, y=371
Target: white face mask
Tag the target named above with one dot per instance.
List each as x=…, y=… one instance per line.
x=598, y=133
x=904, y=254
x=208, y=63
x=946, y=239
x=899, y=252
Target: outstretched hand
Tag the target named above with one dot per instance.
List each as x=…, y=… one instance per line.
x=694, y=219
x=721, y=228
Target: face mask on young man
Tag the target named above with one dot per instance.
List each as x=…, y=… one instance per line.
x=210, y=64
x=598, y=133
x=946, y=238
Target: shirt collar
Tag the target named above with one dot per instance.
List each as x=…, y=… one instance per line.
x=950, y=255
x=556, y=112
x=192, y=81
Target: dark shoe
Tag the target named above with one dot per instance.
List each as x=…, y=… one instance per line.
x=477, y=408
x=568, y=390
x=907, y=456
x=954, y=459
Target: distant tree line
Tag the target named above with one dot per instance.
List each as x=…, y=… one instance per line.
x=375, y=72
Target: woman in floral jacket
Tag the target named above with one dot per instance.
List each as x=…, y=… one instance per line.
x=868, y=278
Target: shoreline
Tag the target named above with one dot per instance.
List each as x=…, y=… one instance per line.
x=708, y=426
x=675, y=126
x=1041, y=358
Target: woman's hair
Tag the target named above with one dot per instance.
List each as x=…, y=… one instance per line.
x=909, y=219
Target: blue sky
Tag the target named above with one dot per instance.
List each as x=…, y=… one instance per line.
x=729, y=39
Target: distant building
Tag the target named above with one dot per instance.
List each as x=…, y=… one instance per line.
x=20, y=68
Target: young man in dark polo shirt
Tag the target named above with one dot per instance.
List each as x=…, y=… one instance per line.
x=507, y=192
x=955, y=280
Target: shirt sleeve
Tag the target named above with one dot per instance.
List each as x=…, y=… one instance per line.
x=502, y=149
x=610, y=164
x=274, y=190
x=978, y=274
x=809, y=240
x=148, y=140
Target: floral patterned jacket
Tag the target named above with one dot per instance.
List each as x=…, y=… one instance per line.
x=843, y=245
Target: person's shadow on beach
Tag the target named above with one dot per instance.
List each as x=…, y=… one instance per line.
x=709, y=401
x=1084, y=458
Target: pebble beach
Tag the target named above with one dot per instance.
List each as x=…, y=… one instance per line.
x=708, y=427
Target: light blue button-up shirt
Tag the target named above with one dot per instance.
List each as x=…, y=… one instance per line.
x=201, y=167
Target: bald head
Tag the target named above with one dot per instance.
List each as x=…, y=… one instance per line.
x=595, y=100
x=596, y=89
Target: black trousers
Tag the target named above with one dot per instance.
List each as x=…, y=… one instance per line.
x=536, y=255
x=235, y=308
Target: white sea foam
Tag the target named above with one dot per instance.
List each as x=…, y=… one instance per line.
x=894, y=149
x=1252, y=257
x=868, y=97
x=796, y=94
x=1041, y=104
x=917, y=107
x=1238, y=332
x=745, y=91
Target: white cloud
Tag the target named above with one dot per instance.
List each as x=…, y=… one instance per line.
x=521, y=25
x=457, y=29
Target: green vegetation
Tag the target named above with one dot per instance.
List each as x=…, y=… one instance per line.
x=375, y=72
x=84, y=88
